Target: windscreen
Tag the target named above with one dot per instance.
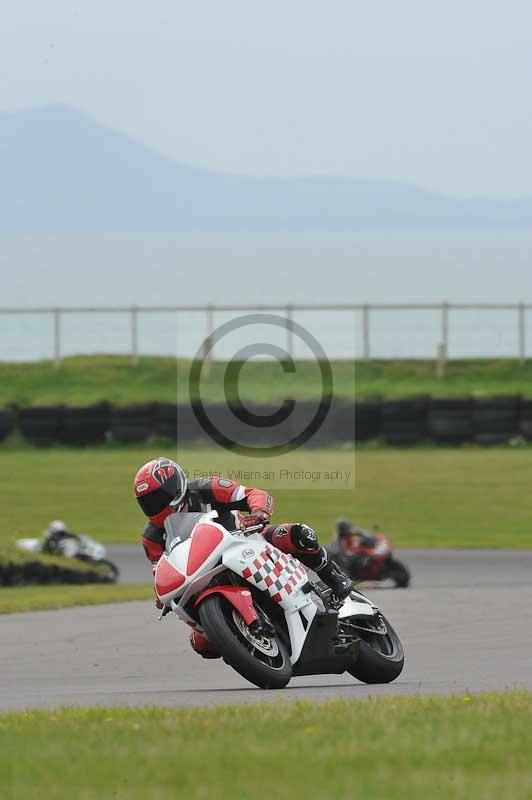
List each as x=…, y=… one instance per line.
x=179, y=527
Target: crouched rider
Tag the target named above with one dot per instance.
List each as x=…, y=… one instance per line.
x=161, y=489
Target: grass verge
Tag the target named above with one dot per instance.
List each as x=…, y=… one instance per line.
x=14, y=599
x=82, y=380
x=421, y=498
x=457, y=748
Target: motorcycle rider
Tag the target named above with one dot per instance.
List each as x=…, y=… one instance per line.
x=344, y=548
x=161, y=488
x=58, y=540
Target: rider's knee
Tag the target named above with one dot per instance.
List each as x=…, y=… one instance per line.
x=304, y=537
x=279, y=537
x=293, y=538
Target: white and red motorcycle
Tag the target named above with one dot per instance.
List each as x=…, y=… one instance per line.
x=263, y=612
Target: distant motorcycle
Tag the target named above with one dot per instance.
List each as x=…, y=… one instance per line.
x=370, y=557
x=77, y=546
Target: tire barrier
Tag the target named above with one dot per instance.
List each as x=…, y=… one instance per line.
x=251, y=425
x=177, y=423
x=166, y=416
x=368, y=420
x=88, y=425
x=39, y=572
x=188, y=428
x=133, y=424
x=340, y=424
x=495, y=420
x=19, y=568
x=404, y=422
x=450, y=420
x=226, y=423
x=446, y=421
x=41, y=425
x=525, y=420
x=6, y=424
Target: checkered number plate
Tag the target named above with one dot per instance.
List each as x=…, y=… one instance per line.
x=277, y=573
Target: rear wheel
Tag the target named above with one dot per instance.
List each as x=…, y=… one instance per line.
x=381, y=657
x=262, y=660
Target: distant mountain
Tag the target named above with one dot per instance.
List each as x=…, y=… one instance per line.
x=61, y=171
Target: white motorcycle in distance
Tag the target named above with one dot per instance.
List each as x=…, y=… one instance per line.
x=77, y=546
x=263, y=612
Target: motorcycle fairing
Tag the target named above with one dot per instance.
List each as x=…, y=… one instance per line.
x=306, y=661
x=33, y=545
x=267, y=568
x=168, y=579
x=318, y=650
x=180, y=600
x=178, y=556
x=282, y=577
x=357, y=605
x=299, y=622
x=322, y=652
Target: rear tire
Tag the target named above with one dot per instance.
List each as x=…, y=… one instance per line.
x=216, y=616
x=381, y=657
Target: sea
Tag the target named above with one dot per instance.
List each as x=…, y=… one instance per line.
x=41, y=271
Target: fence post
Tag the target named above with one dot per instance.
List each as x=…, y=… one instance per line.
x=445, y=329
x=522, y=332
x=57, y=338
x=365, y=332
x=207, y=353
x=290, y=331
x=441, y=361
x=134, y=336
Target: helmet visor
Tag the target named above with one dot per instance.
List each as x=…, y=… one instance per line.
x=154, y=502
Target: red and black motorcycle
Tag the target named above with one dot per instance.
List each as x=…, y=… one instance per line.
x=366, y=556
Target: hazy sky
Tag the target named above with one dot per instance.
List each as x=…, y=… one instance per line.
x=437, y=92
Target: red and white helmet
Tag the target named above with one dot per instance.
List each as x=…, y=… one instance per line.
x=161, y=488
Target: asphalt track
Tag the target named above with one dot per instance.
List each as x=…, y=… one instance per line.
x=430, y=568
x=465, y=624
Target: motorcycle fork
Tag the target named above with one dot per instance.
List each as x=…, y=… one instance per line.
x=272, y=612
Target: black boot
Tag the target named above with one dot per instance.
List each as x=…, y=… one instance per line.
x=336, y=580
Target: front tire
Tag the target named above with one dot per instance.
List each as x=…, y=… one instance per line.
x=399, y=574
x=381, y=657
x=227, y=632
x=112, y=569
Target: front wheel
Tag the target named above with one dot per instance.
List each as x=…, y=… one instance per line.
x=399, y=574
x=262, y=660
x=111, y=569
x=381, y=657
